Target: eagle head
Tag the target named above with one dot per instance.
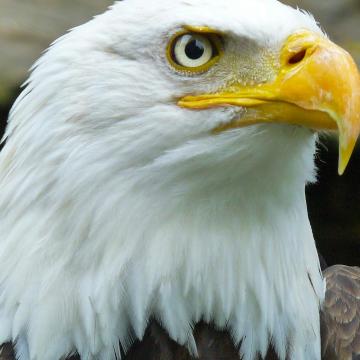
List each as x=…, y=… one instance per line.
x=156, y=154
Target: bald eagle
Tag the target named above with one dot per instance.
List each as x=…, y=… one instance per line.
x=152, y=188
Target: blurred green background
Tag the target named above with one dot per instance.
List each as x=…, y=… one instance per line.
x=27, y=27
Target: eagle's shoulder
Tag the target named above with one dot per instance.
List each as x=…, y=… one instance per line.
x=340, y=315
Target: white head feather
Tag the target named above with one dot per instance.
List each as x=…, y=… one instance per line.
x=117, y=205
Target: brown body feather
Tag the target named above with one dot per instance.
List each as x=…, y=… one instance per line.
x=340, y=329
x=340, y=318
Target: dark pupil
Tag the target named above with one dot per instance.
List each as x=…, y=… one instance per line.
x=194, y=49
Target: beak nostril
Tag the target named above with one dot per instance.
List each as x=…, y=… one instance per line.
x=298, y=57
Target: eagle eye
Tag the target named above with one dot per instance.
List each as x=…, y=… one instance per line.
x=194, y=52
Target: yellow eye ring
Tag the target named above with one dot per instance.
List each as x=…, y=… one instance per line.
x=194, y=52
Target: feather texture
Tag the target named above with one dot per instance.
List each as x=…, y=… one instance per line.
x=117, y=206
x=340, y=317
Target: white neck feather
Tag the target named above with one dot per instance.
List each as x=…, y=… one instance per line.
x=240, y=254
x=244, y=263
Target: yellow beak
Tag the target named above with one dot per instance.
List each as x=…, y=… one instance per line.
x=317, y=86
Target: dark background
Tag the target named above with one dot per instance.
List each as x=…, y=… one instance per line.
x=28, y=26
